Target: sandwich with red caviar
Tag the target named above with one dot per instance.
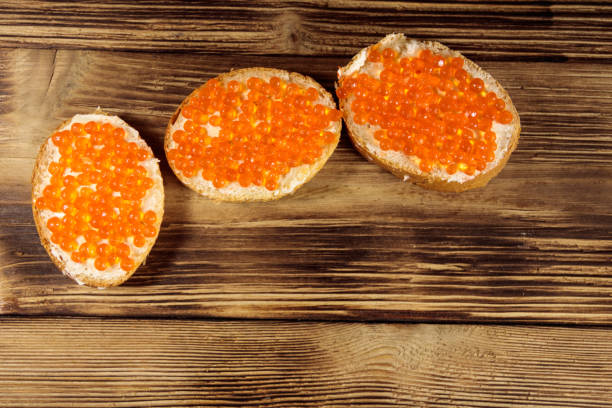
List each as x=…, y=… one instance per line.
x=253, y=134
x=98, y=199
x=427, y=114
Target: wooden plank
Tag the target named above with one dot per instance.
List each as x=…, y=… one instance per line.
x=165, y=363
x=355, y=243
x=488, y=30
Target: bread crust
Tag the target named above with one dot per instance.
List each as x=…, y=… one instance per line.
x=85, y=277
x=214, y=193
x=430, y=181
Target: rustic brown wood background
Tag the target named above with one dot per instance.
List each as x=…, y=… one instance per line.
x=354, y=247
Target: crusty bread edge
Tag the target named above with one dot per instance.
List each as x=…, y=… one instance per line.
x=84, y=279
x=428, y=181
x=215, y=194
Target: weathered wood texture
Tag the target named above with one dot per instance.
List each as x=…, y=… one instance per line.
x=355, y=243
x=134, y=363
x=487, y=30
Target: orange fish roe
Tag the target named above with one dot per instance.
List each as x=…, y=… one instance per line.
x=96, y=188
x=429, y=107
x=264, y=129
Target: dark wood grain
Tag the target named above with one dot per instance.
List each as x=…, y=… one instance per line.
x=557, y=30
x=161, y=363
x=355, y=243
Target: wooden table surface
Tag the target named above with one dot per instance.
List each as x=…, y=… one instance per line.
x=359, y=290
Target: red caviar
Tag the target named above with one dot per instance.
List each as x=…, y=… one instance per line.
x=96, y=187
x=264, y=129
x=429, y=107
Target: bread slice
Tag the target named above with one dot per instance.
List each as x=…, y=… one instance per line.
x=290, y=182
x=404, y=166
x=85, y=273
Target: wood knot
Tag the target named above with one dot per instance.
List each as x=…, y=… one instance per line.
x=291, y=31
